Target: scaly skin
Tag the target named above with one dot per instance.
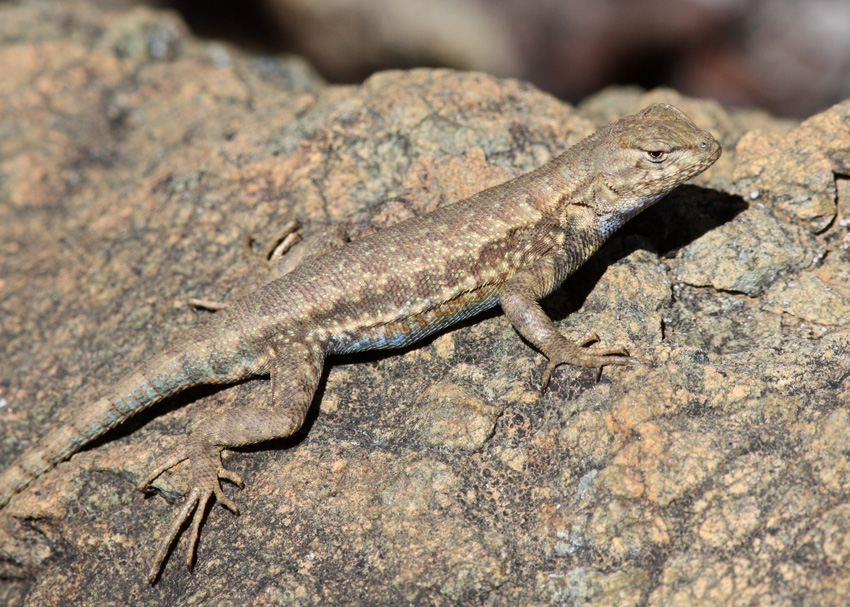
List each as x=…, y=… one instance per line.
x=509, y=245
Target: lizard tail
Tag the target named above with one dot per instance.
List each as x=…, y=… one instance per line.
x=153, y=381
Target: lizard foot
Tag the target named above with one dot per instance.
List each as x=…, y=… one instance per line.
x=207, y=473
x=284, y=240
x=582, y=354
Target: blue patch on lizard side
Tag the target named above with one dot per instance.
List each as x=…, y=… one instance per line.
x=408, y=331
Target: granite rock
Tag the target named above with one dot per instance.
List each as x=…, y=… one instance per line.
x=135, y=159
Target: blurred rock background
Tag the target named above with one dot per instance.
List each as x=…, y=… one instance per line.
x=790, y=58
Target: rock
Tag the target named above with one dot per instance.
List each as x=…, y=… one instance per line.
x=133, y=161
x=746, y=254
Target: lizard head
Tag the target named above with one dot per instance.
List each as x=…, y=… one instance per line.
x=641, y=157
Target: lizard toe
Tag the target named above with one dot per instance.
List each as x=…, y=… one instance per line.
x=177, y=459
x=230, y=476
x=224, y=500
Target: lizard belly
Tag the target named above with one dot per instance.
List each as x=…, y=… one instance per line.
x=405, y=330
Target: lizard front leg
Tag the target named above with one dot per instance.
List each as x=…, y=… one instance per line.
x=519, y=299
x=295, y=376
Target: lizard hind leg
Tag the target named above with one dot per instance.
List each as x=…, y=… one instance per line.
x=295, y=376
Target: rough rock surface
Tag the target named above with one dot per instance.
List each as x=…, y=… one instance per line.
x=133, y=160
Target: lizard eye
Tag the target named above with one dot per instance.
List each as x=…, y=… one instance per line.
x=656, y=156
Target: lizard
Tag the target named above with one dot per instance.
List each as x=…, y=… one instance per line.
x=509, y=245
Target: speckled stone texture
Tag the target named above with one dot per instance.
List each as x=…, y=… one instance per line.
x=133, y=161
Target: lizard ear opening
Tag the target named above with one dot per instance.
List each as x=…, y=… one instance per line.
x=605, y=197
